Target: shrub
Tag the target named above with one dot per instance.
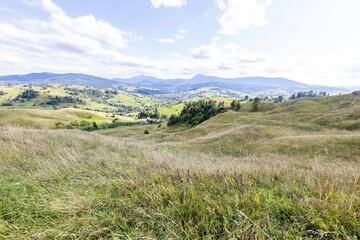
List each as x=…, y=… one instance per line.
x=7, y=104
x=59, y=125
x=146, y=132
x=256, y=104
x=235, y=105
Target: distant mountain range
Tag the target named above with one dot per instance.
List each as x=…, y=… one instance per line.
x=252, y=85
x=244, y=84
x=202, y=80
x=68, y=78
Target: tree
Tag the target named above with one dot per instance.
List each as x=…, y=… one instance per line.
x=293, y=96
x=233, y=104
x=172, y=120
x=238, y=106
x=256, y=104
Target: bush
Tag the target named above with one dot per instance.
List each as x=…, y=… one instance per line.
x=59, y=125
x=7, y=104
x=146, y=132
x=256, y=104
x=235, y=105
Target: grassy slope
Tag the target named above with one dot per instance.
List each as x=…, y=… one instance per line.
x=11, y=91
x=132, y=100
x=69, y=184
x=170, y=109
x=63, y=184
x=307, y=127
x=42, y=118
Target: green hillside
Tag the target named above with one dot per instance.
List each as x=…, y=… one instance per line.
x=42, y=118
x=57, y=96
x=306, y=126
x=289, y=171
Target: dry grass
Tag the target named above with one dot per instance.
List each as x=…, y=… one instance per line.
x=290, y=171
x=73, y=185
x=41, y=118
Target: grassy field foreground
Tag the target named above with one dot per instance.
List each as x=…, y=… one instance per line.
x=63, y=184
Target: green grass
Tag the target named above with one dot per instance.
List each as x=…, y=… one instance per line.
x=290, y=171
x=65, y=184
x=170, y=109
x=42, y=118
x=132, y=100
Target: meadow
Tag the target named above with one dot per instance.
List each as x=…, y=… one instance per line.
x=289, y=171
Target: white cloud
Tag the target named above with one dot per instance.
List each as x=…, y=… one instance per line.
x=66, y=44
x=165, y=40
x=181, y=34
x=230, y=60
x=47, y=5
x=206, y=51
x=238, y=15
x=219, y=59
x=168, y=3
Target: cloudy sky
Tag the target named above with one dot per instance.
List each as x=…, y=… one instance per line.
x=316, y=42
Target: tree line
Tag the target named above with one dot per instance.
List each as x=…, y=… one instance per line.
x=67, y=99
x=308, y=94
x=195, y=113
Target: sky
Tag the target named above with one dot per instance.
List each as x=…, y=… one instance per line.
x=314, y=42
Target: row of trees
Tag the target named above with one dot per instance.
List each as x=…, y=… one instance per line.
x=308, y=94
x=67, y=99
x=152, y=114
x=91, y=125
x=92, y=92
x=149, y=114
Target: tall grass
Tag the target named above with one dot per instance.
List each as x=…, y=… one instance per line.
x=72, y=185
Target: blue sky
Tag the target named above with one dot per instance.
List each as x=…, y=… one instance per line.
x=316, y=42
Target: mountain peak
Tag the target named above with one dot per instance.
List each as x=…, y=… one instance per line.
x=199, y=75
